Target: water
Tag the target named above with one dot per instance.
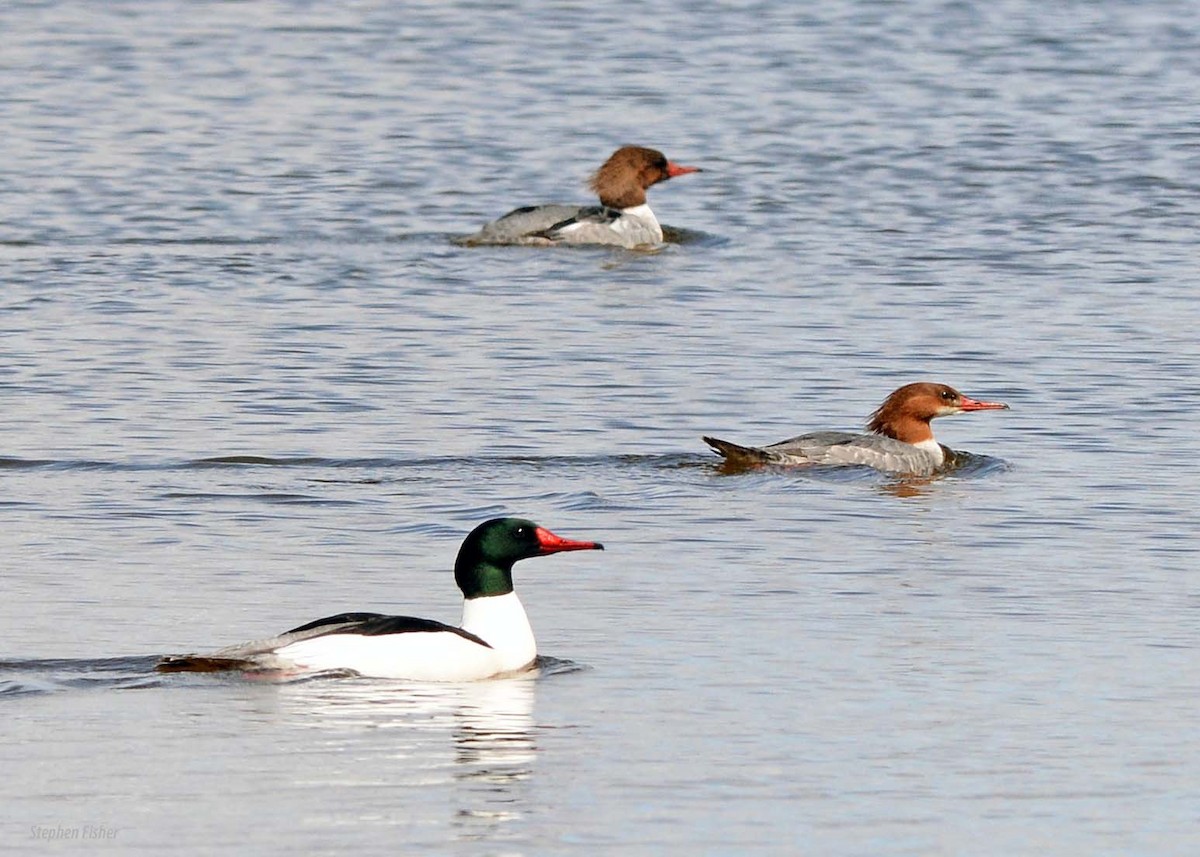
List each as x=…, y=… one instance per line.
x=248, y=381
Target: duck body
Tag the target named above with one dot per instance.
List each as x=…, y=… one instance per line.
x=623, y=218
x=841, y=448
x=898, y=440
x=494, y=639
x=547, y=225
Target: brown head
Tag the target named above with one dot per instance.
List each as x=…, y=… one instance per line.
x=906, y=413
x=622, y=181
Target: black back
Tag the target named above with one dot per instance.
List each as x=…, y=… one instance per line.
x=380, y=624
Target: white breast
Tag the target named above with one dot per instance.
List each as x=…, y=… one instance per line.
x=501, y=620
x=637, y=226
x=934, y=449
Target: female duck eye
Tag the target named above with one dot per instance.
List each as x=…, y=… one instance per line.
x=947, y=395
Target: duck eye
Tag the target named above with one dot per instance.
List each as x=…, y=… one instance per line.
x=947, y=395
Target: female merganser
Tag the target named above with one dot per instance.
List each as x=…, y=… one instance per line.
x=900, y=440
x=623, y=218
x=494, y=639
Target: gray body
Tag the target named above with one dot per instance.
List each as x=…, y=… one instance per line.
x=844, y=448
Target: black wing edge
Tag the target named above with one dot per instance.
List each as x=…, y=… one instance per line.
x=524, y=209
x=591, y=214
x=339, y=619
x=380, y=624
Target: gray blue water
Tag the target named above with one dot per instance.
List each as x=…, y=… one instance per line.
x=247, y=381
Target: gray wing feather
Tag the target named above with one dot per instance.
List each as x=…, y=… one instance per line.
x=837, y=447
x=523, y=226
x=882, y=453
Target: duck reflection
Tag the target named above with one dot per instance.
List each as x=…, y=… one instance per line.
x=906, y=488
x=487, y=727
x=493, y=726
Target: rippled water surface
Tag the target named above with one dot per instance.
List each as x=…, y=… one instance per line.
x=248, y=380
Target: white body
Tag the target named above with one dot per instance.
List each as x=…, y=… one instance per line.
x=548, y=225
x=637, y=226
x=424, y=655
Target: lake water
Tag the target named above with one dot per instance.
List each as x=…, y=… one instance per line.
x=248, y=381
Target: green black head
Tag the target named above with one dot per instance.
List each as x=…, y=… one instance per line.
x=485, y=560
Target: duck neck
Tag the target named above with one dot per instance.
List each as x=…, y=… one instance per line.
x=935, y=450
x=640, y=225
x=477, y=577
x=624, y=197
x=500, y=620
x=641, y=212
x=906, y=429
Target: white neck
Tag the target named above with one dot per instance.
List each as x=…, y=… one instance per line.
x=933, y=448
x=500, y=620
x=639, y=224
x=641, y=212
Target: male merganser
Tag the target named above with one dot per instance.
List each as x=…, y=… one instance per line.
x=623, y=218
x=494, y=639
x=900, y=439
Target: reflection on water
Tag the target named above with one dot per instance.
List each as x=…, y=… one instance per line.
x=478, y=735
x=467, y=749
